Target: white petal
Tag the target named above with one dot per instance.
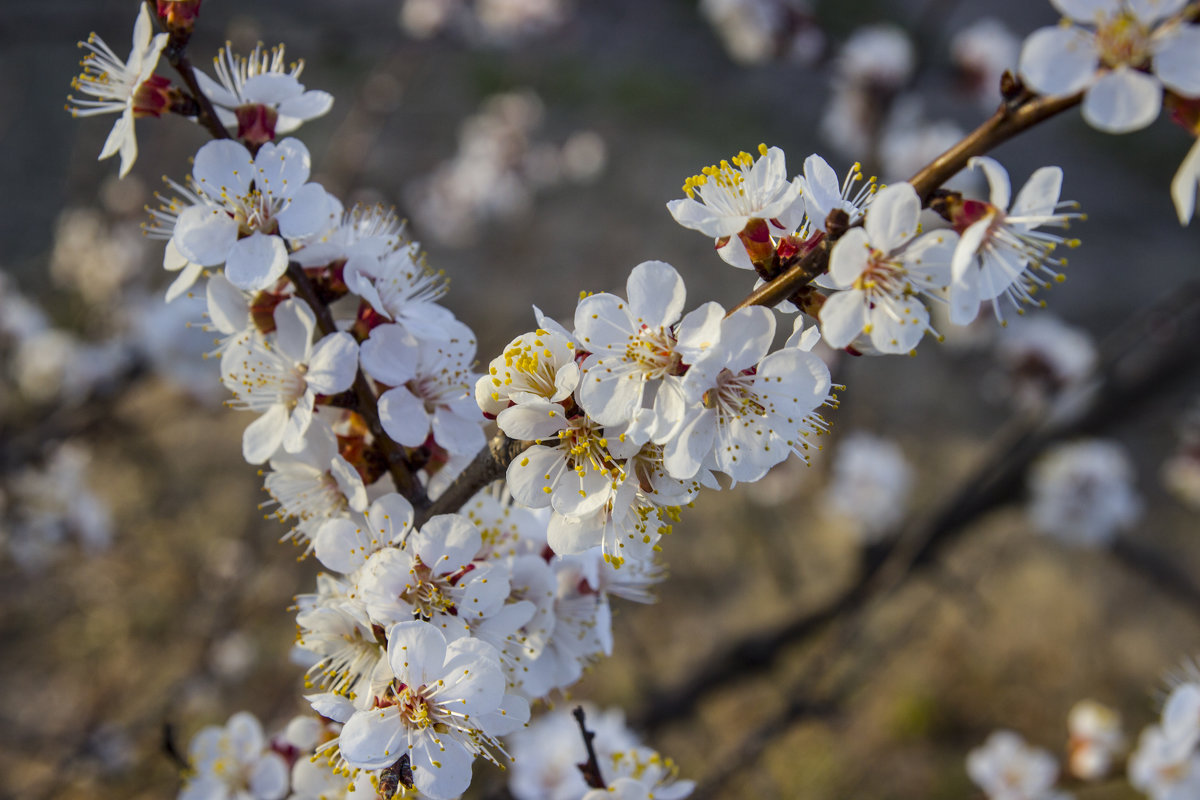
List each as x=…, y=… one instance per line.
x=294, y=324
x=205, y=235
x=966, y=253
x=390, y=354
x=263, y=436
x=269, y=778
x=223, y=167
x=349, y=482
x=441, y=773
x=602, y=320
x=298, y=423
x=698, y=217
x=1149, y=12
x=850, y=257
x=310, y=211
x=281, y=169
x=447, y=543
x=271, y=88
x=964, y=298
x=404, y=417
x=997, y=178
x=746, y=335
x=256, y=262
x=899, y=336
x=227, y=306
x=185, y=280
x=1183, y=185
x=608, y=398
x=333, y=364
x=699, y=331
x=1177, y=61
x=843, y=317
x=215, y=91
x=656, y=293
x=1124, y=100
x=1089, y=12
x=338, y=545
x=373, y=739
x=310, y=105
x=1039, y=196
x=532, y=475
x=391, y=517
x=417, y=652
x=892, y=218
x=539, y=419
x=460, y=435
x=1058, y=61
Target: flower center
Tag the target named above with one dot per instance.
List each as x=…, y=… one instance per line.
x=732, y=396
x=1123, y=41
x=882, y=276
x=653, y=351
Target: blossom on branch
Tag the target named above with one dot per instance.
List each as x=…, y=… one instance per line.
x=128, y=88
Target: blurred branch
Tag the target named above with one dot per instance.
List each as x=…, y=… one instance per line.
x=1137, y=361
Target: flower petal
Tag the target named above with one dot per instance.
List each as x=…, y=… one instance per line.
x=404, y=417
x=223, y=167
x=1124, y=100
x=1177, y=60
x=256, y=262
x=263, y=436
x=1058, y=61
x=656, y=294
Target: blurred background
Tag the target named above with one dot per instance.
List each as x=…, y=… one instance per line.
x=533, y=146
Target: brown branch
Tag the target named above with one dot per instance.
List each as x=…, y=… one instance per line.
x=489, y=465
x=176, y=55
x=591, y=767
x=366, y=403
x=1006, y=123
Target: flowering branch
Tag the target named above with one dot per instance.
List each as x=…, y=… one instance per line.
x=1008, y=121
x=489, y=465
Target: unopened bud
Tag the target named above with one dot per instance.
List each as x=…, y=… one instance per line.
x=179, y=16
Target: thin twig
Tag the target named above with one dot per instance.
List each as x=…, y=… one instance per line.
x=591, y=767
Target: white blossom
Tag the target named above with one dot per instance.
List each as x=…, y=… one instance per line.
x=1082, y=493
x=881, y=269
x=1137, y=48
x=280, y=378
x=128, y=88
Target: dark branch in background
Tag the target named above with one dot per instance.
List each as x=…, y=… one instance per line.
x=1150, y=350
x=591, y=767
x=365, y=400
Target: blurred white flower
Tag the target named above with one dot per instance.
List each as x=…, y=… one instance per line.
x=1082, y=493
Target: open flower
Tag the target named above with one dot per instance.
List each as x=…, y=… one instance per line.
x=446, y=705
x=281, y=380
x=999, y=251
x=882, y=267
x=260, y=95
x=128, y=88
x=1136, y=49
x=723, y=198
